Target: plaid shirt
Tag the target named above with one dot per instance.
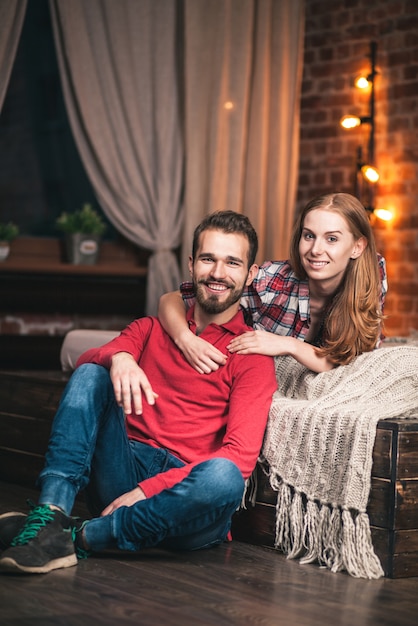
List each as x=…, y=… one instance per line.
x=278, y=301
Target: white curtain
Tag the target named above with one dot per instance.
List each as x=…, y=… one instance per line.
x=12, y=13
x=118, y=66
x=243, y=74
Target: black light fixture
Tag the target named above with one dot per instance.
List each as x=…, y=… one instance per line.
x=367, y=174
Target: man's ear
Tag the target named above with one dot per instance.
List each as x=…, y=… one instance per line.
x=252, y=273
x=191, y=265
x=359, y=248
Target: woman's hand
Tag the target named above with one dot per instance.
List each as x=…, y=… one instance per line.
x=259, y=342
x=263, y=342
x=200, y=354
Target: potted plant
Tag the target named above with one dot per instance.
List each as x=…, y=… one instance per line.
x=83, y=230
x=8, y=232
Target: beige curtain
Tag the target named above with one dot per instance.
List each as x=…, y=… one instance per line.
x=118, y=68
x=243, y=72
x=239, y=84
x=12, y=13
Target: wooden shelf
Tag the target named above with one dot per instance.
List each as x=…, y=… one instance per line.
x=35, y=279
x=21, y=265
x=42, y=255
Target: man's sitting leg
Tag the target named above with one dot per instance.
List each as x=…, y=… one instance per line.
x=194, y=514
x=87, y=413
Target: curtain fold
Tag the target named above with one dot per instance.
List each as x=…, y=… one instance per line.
x=243, y=73
x=12, y=14
x=118, y=66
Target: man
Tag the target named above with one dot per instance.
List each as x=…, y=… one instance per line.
x=161, y=451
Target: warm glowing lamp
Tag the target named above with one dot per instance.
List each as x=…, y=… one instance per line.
x=384, y=214
x=370, y=173
x=350, y=121
x=361, y=82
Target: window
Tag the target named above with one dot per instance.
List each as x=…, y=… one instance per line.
x=41, y=173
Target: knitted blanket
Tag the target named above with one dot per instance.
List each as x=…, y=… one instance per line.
x=318, y=453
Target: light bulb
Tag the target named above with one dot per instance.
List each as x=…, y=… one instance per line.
x=361, y=82
x=350, y=121
x=370, y=173
x=384, y=214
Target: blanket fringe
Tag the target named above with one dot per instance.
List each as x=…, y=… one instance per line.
x=335, y=537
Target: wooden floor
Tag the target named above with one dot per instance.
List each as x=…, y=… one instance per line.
x=236, y=584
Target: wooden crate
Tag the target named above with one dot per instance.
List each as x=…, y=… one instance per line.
x=392, y=507
x=28, y=402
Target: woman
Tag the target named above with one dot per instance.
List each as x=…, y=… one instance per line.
x=323, y=307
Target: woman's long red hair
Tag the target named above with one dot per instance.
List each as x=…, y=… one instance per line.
x=354, y=319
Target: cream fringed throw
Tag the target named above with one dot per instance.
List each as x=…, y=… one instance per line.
x=318, y=450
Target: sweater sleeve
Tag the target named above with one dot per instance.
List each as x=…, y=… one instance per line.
x=132, y=340
x=254, y=383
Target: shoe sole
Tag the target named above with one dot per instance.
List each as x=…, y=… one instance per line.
x=7, y=564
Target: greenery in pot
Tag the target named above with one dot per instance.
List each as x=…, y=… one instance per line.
x=85, y=221
x=8, y=231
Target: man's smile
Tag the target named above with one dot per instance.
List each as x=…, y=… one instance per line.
x=219, y=287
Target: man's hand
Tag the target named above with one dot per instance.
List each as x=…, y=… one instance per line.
x=127, y=499
x=129, y=383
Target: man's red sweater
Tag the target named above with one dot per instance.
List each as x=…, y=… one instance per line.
x=196, y=416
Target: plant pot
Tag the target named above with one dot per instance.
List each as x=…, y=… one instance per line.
x=4, y=250
x=82, y=249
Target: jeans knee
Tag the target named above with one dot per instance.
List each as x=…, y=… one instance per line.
x=89, y=385
x=89, y=377
x=91, y=372
x=223, y=477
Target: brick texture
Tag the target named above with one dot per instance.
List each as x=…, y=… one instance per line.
x=338, y=34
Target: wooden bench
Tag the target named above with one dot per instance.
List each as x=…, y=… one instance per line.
x=28, y=401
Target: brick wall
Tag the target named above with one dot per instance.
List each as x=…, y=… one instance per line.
x=337, y=44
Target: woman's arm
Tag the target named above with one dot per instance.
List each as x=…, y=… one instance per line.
x=263, y=342
x=200, y=354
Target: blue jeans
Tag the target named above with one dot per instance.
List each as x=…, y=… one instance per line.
x=89, y=449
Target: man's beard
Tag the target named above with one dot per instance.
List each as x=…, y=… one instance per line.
x=211, y=304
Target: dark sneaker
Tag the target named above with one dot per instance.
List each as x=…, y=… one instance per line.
x=10, y=526
x=44, y=543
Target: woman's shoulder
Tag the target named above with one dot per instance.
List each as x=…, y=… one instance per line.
x=275, y=271
x=277, y=282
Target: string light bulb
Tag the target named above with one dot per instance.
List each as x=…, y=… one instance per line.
x=362, y=82
x=384, y=214
x=350, y=121
x=370, y=173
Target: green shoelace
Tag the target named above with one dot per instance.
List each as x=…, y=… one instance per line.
x=38, y=518
x=81, y=552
